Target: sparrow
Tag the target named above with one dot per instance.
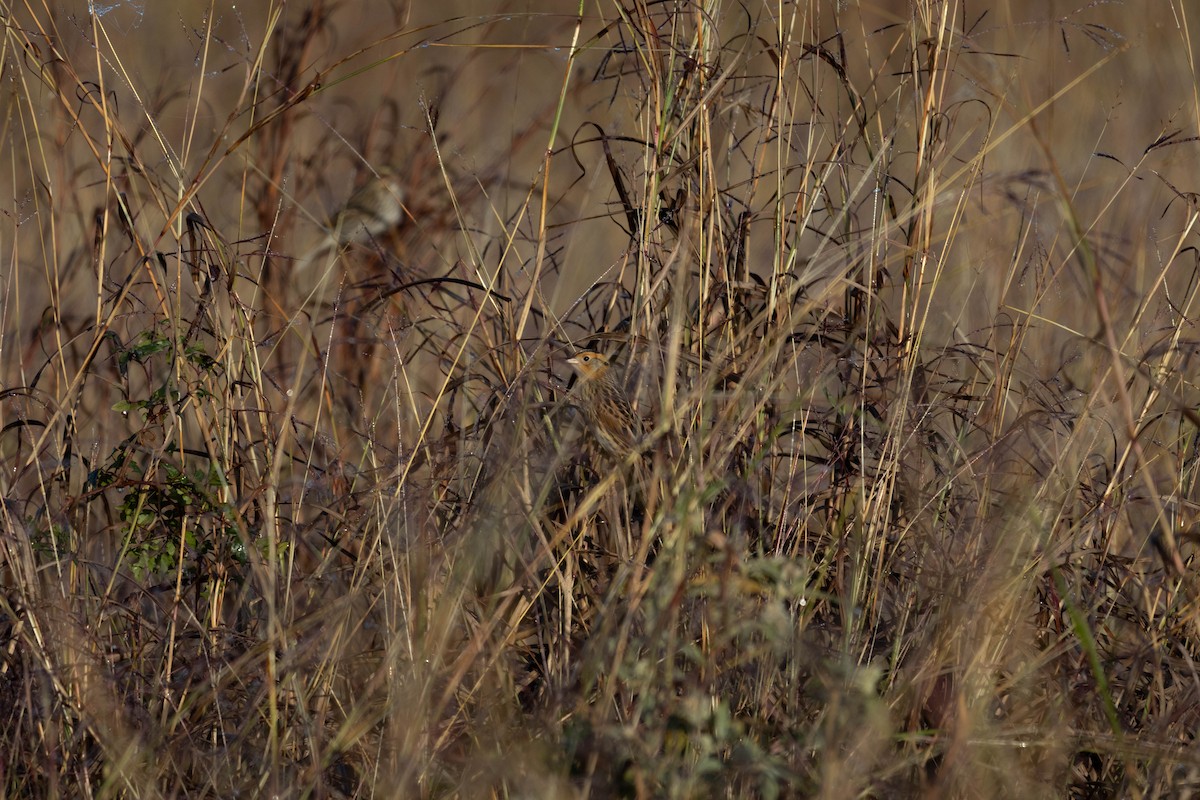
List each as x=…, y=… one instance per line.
x=610, y=418
x=374, y=209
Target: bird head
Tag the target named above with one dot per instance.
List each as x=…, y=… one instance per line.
x=589, y=364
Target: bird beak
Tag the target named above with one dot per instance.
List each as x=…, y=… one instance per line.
x=572, y=360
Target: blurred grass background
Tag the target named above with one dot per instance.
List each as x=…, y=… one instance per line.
x=903, y=290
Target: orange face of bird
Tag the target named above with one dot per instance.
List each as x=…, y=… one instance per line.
x=589, y=364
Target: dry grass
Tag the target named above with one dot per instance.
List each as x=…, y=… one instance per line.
x=904, y=291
